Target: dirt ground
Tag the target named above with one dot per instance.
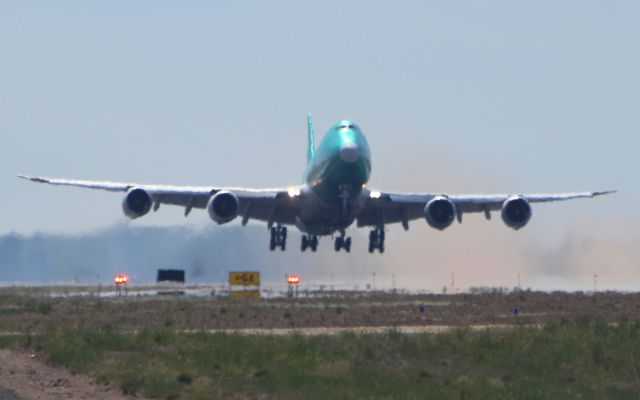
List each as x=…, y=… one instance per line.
x=26, y=376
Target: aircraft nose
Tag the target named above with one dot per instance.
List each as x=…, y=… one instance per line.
x=349, y=152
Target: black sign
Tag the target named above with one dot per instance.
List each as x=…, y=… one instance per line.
x=170, y=275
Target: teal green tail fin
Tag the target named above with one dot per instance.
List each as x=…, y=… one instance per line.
x=311, y=145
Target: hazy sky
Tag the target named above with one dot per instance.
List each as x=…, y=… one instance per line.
x=490, y=96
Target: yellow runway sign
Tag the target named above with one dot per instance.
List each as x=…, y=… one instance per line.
x=247, y=278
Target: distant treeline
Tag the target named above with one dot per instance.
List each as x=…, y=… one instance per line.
x=206, y=253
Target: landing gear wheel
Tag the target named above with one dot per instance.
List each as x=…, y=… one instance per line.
x=376, y=240
x=309, y=242
x=343, y=242
x=373, y=240
x=278, y=238
x=272, y=242
x=339, y=242
x=282, y=237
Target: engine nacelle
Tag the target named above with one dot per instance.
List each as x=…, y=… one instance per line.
x=137, y=202
x=516, y=212
x=223, y=207
x=440, y=212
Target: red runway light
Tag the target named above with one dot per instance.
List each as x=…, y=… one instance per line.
x=121, y=279
x=293, y=279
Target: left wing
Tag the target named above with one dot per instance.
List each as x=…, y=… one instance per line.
x=384, y=208
x=270, y=205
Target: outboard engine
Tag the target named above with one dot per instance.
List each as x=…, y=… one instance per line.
x=223, y=207
x=440, y=212
x=516, y=212
x=137, y=202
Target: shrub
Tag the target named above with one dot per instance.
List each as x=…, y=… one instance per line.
x=185, y=379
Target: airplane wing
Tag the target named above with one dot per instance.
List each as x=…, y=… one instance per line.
x=270, y=205
x=384, y=208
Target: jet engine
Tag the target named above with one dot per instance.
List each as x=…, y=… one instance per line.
x=223, y=207
x=440, y=212
x=516, y=212
x=136, y=203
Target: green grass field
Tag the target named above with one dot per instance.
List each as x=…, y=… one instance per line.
x=568, y=360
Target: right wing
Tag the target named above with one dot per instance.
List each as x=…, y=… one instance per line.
x=388, y=207
x=269, y=205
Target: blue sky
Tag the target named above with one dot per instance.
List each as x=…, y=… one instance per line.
x=453, y=96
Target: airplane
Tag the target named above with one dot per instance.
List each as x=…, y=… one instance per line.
x=334, y=196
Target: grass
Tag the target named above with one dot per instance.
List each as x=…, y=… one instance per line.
x=569, y=360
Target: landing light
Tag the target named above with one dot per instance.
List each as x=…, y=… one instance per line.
x=294, y=192
x=375, y=195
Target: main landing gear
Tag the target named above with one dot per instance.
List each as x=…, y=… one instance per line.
x=376, y=240
x=343, y=242
x=278, y=238
x=309, y=242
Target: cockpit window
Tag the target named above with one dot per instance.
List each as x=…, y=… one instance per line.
x=346, y=126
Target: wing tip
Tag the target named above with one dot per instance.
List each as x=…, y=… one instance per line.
x=32, y=178
x=605, y=193
x=25, y=177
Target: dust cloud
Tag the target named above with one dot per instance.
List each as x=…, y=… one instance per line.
x=478, y=253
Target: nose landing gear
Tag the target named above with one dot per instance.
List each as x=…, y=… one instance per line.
x=309, y=241
x=376, y=240
x=343, y=242
x=278, y=238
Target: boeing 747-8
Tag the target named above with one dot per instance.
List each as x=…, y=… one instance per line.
x=333, y=196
